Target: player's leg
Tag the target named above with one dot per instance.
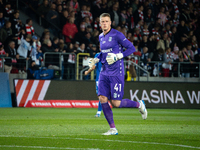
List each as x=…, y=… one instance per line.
x=98, y=114
x=104, y=92
x=108, y=115
x=117, y=92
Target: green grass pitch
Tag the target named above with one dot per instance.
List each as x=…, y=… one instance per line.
x=77, y=128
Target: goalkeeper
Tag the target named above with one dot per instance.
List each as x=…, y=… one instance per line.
x=111, y=79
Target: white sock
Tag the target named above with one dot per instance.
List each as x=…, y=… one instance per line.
x=140, y=105
x=99, y=112
x=113, y=128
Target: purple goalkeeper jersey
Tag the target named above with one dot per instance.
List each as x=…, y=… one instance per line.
x=113, y=42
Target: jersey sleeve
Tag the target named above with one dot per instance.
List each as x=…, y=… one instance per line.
x=122, y=40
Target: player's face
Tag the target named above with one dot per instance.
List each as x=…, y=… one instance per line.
x=105, y=23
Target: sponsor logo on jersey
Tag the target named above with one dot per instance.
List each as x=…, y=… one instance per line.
x=103, y=42
x=110, y=39
x=115, y=95
x=106, y=50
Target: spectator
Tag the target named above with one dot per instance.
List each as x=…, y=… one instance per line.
x=134, y=5
x=39, y=55
x=104, y=6
x=1, y=4
x=145, y=30
x=182, y=42
x=74, y=5
x=5, y=32
x=182, y=28
x=2, y=54
x=22, y=34
x=49, y=58
x=85, y=12
x=137, y=37
x=12, y=53
x=34, y=48
x=194, y=44
x=174, y=36
x=168, y=59
x=157, y=56
x=168, y=30
x=130, y=19
x=93, y=50
x=143, y=43
x=197, y=59
x=16, y=23
x=185, y=15
x=7, y=11
x=29, y=28
x=124, y=5
x=59, y=10
x=87, y=21
x=53, y=17
x=163, y=43
x=95, y=37
x=24, y=50
x=79, y=36
x=43, y=9
x=76, y=45
x=139, y=15
x=152, y=43
x=87, y=38
x=69, y=30
x=2, y=20
x=140, y=25
x=188, y=56
x=115, y=16
x=45, y=35
x=175, y=58
x=148, y=17
x=96, y=24
x=62, y=46
x=55, y=44
x=144, y=60
x=156, y=7
x=162, y=16
x=30, y=71
x=81, y=49
x=97, y=8
x=14, y=37
x=64, y=18
x=182, y=5
x=70, y=63
x=174, y=8
x=175, y=20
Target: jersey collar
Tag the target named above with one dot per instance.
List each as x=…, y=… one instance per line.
x=108, y=32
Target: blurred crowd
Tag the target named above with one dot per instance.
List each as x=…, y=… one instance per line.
x=166, y=31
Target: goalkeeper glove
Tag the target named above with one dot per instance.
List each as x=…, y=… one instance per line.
x=111, y=57
x=92, y=62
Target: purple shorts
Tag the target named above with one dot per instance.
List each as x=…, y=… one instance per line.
x=111, y=86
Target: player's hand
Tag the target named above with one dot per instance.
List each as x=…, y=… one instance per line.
x=86, y=73
x=92, y=62
x=111, y=57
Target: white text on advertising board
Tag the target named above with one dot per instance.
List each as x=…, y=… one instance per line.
x=162, y=96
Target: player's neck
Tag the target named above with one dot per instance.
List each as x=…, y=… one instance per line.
x=106, y=31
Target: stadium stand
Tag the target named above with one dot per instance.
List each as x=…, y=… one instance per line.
x=165, y=34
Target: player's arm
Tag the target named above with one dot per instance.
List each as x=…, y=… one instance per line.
x=90, y=70
x=95, y=60
x=111, y=57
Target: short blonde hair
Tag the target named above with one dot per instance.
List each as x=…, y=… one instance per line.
x=105, y=15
